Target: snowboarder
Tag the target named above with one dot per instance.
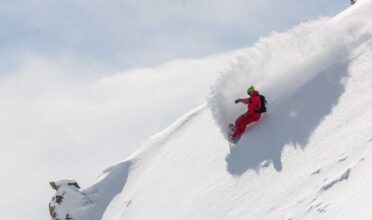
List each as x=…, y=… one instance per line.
x=256, y=106
x=353, y=2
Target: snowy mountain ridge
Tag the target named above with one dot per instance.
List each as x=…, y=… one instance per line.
x=308, y=158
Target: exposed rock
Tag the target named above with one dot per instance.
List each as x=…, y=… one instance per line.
x=53, y=185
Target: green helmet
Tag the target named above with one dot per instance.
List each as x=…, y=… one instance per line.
x=250, y=89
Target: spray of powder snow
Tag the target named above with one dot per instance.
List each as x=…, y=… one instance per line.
x=281, y=63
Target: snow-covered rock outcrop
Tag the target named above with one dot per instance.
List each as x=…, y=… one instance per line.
x=90, y=203
x=68, y=202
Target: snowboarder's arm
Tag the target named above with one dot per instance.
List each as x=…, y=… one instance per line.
x=245, y=101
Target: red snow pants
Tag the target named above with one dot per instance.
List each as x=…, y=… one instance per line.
x=242, y=122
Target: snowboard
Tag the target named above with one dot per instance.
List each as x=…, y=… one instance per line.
x=231, y=130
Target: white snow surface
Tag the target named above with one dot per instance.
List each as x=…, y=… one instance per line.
x=308, y=158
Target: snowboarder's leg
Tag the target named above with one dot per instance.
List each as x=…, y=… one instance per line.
x=240, y=125
x=242, y=122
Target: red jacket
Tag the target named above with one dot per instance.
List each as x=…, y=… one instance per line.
x=253, y=102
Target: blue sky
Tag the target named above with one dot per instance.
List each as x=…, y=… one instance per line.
x=142, y=33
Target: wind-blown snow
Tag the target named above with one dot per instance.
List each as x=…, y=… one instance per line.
x=280, y=64
x=308, y=158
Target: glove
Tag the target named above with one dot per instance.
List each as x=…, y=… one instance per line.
x=237, y=101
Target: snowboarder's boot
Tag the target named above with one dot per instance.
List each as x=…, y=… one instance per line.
x=231, y=129
x=231, y=132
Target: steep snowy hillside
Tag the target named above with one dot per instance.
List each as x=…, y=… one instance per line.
x=308, y=158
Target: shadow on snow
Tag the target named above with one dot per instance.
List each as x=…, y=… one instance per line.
x=291, y=121
x=103, y=192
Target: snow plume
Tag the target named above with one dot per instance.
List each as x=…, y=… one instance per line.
x=58, y=116
x=281, y=63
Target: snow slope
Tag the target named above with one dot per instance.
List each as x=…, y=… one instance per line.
x=308, y=158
